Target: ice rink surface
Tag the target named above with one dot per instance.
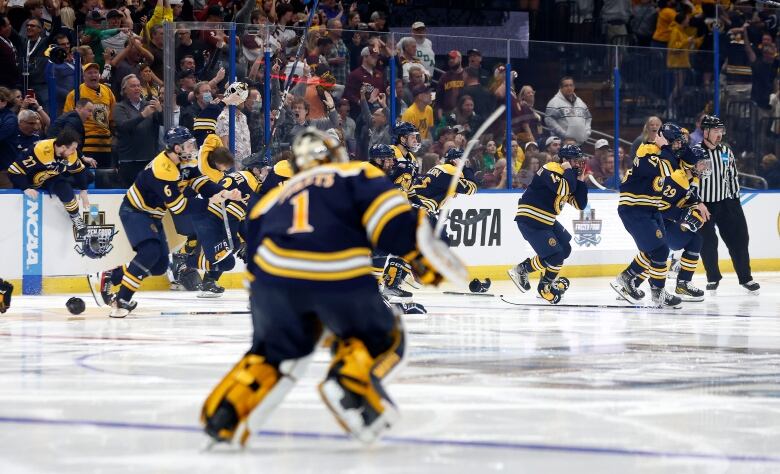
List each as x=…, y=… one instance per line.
x=488, y=387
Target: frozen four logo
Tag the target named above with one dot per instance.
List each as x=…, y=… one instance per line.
x=587, y=229
x=97, y=241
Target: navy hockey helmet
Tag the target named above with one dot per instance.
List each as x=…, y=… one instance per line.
x=672, y=132
x=573, y=154
x=177, y=136
x=452, y=155
x=699, y=161
x=405, y=130
x=382, y=156
x=256, y=161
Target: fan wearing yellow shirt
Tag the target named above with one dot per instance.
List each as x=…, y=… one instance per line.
x=97, y=129
x=420, y=113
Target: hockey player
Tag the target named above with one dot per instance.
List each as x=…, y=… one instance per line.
x=431, y=190
x=154, y=192
x=311, y=243
x=553, y=186
x=47, y=167
x=6, y=290
x=218, y=249
x=682, y=219
x=407, y=143
x=638, y=208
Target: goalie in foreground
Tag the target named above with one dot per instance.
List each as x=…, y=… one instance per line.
x=310, y=243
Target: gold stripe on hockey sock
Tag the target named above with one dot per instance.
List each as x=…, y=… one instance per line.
x=72, y=206
x=642, y=260
x=536, y=264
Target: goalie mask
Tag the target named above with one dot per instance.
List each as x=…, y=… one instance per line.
x=236, y=93
x=313, y=147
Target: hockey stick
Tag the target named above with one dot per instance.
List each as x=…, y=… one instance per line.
x=596, y=183
x=231, y=247
x=201, y=313
x=483, y=213
x=463, y=293
x=459, y=171
x=604, y=306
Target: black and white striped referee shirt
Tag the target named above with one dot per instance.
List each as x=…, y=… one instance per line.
x=722, y=182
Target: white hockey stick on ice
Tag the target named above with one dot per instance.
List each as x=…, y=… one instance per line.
x=470, y=146
x=231, y=247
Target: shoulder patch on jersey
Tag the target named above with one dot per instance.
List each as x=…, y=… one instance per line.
x=283, y=169
x=647, y=149
x=164, y=169
x=253, y=183
x=680, y=178
x=265, y=203
x=554, y=167
x=44, y=151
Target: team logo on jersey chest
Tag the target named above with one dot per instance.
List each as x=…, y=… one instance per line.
x=587, y=229
x=658, y=233
x=552, y=242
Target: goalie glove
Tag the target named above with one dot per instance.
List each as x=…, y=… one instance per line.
x=436, y=261
x=691, y=220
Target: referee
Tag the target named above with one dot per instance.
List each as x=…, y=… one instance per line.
x=720, y=194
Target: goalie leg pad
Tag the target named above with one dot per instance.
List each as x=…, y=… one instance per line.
x=354, y=394
x=237, y=394
x=438, y=260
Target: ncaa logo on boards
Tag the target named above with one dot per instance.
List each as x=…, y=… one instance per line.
x=587, y=229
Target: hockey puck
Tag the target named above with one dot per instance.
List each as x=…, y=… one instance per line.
x=75, y=305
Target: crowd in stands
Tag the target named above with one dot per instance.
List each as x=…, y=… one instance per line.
x=340, y=84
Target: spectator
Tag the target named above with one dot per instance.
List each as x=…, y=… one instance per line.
x=188, y=46
x=450, y=85
x=678, y=56
x=332, y=9
x=127, y=62
x=358, y=41
x=31, y=103
x=491, y=179
x=9, y=127
x=155, y=46
x=643, y=22
x=409, y=58
x=34, y=61
x=489, y=156
x=648, y=135
x=74, y=120
x=254, y=118
x=764, y=71
x=551, y=147
x=365, y=74
x=484, y=101
x=697, y=135
x=531, y=150
x=529, y=122
x=338, y=59
x=465, y=116
x=137, y=128
x=348, y=125
x=567, y=115
x=378, y=130
x=595, y=162
x=296, y=119
x=64, y=73
x=29, y=132
x=610, y=180
x=186, y=80
x=526, y=173
x=378, y=22
x=118, y=41
x=9, y=57
x=614, y=18
x=770, y=171
x=93, y=34
x=416, y=80
x=424, y=47
x=474, y=58
x=243, y=140
x=663, y=25
x=150, y=83
x=203, y=97
x=420, y=113
x=446, y=134
x=97, y=136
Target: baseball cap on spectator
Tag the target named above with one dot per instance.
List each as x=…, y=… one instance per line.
x=215, y=10
x=551, y=139
x=366, y=51
x=474, y=52
x=113, y=14
x=418, y=25
x=95, y=15
x=601, y=143
x=420, y=90
x=185, y=73
x=454, y=54
x=89, y=65
x=531, y=143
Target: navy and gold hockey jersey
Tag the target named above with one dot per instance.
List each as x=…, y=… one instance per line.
x=318, y=230
x=41, y=165
x=642, y=185
x=551, y=188
x=156, y=189
x=678, y=194
x=205, y=122
x=430, y=190
x=404, y=172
